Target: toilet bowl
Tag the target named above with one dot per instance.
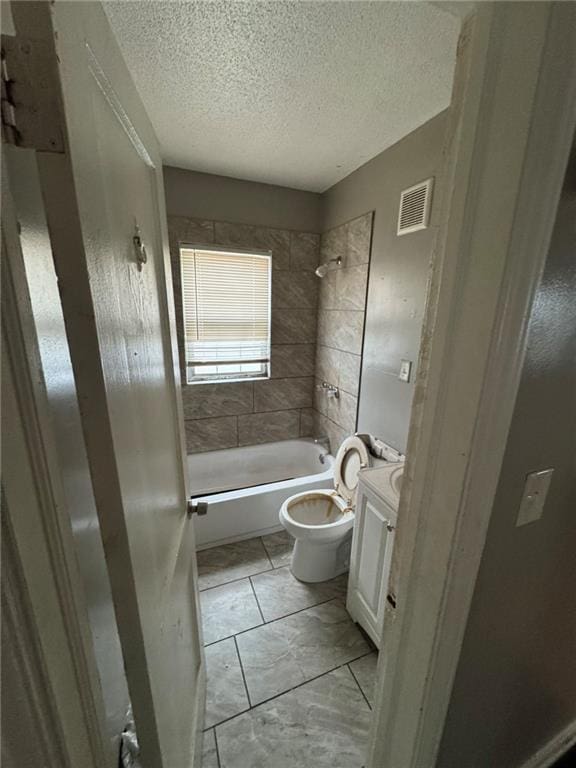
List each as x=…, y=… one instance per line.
x=321, y=521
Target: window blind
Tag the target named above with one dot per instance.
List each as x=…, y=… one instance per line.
x=226, y=307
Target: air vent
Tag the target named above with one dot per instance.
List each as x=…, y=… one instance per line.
x=415, y=207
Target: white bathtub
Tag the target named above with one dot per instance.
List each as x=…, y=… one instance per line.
x=245, y=487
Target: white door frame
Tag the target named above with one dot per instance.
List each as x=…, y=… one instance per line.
x=512, y=123
x=47, y=630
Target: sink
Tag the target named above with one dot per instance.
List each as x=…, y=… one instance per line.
x=396, y=479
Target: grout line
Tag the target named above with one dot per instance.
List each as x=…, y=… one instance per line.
x=311, y=680
x=273, y=621
x=264, y=547
x=295, y=688
x=242, y=671
x=235, y=581
x=257, y=602
x=358, y=684
x=217, y=750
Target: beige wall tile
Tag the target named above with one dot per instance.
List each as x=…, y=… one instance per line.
x=323, y=427
x=334, y=243
x=342, y=369
x=211, y=434
x=203, y=400
x=277, y=241
x=341, y=409
x=282, y=394
x=304, y=250
x=341, y=329
x=351, y=283
x=191, y=231
x=359, y=239
x=307, y=422
x=241, y=235
x=294, y=290
x=328, y=293
x=293, y=326
x=268, y=427
x=292, y=360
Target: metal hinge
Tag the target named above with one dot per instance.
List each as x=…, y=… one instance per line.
x=31, y=115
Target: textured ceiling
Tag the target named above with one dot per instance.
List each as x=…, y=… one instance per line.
x=291, y=93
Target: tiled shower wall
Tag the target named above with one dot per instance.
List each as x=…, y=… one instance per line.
x=249, y=412
x=341, y=310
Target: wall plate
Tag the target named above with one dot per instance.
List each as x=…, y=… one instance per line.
x=405, y=370
x=534, y=496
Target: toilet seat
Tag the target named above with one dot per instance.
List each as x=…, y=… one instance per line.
x=352, y=456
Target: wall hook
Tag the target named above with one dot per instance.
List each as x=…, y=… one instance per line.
x=141, y=256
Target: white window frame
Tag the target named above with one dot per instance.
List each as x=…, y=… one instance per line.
x=234, y=377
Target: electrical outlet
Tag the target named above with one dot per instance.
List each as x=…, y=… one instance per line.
x=534, y=496
x=405, y=370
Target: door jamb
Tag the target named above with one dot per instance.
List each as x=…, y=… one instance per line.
x=64, y=692
x=513, y=119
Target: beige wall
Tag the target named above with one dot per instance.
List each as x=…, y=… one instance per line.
x=206, y=196
x=341, y=312
x=398, y=274
x=262, y=215
x=248, y=412
x=515, y=686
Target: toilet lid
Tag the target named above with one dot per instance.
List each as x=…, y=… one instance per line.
x=352, y=456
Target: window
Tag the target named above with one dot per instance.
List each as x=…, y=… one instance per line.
x=226, y=308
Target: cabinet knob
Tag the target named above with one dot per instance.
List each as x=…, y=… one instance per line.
x=389, y=526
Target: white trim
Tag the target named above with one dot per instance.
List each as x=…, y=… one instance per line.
x=554, y=749
x=42, y=531
x=21, y=650
x=512, y=122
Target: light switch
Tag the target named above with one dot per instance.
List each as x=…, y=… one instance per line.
x=534, y=496
x=405, y=369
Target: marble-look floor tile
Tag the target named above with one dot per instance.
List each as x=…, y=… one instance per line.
x=279, y=547
x=225, y=690
x=280, y=594
x=227, y=610
x=364, y=670
x=278, y=656
x=220, y=565
x=322, y=724
x=209, y=751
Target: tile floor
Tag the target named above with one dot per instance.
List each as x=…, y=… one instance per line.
x=290, y=675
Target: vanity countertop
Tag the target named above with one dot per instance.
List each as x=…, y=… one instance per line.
x=385, y=481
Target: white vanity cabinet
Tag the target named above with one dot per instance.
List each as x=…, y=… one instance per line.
x=372, y=545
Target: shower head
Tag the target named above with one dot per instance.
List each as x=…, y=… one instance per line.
x=322, y=270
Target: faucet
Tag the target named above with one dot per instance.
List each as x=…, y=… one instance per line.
x=331, y=390
x=325, y=443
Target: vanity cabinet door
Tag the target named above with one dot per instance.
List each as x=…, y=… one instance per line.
x=372, y=545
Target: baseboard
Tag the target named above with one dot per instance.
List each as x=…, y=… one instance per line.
x=554, y=749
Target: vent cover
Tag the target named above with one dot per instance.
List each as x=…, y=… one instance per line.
x=415, y=207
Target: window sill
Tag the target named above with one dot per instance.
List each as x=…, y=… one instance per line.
x=227, y=381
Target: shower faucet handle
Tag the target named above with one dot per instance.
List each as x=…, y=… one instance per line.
x=331, y=390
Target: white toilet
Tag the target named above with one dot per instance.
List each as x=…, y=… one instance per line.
x=321, y=521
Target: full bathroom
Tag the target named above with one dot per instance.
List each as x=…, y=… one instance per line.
x=296, y=423
x=301, y=150
x=288, y=350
